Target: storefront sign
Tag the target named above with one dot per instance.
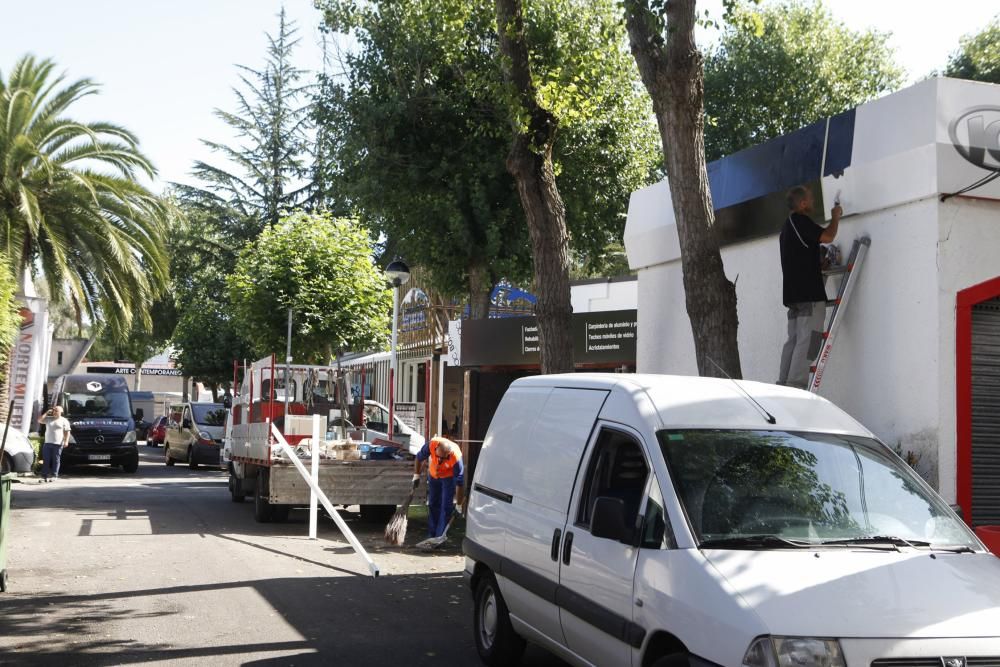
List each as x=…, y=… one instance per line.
x=598, y=338
x=129, y=370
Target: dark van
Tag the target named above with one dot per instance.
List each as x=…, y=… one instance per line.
x=99, y=409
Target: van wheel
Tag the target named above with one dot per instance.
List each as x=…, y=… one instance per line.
x=131, y=466
x=167, y=458
x=673, y=660
x=261, y=508
x=496, y=641
x=191, y=462
x=236, y=489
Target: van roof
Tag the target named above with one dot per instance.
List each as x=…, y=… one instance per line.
x=683, y=401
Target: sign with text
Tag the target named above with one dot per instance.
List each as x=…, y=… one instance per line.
x=598, y=338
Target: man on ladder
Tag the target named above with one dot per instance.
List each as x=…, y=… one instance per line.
x=803, y=287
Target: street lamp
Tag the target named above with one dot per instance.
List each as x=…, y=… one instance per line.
x=398, y=273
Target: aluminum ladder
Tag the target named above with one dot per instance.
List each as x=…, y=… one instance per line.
x=850, y=272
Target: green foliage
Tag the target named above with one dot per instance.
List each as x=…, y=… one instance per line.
x=321, y=268
x=786, y=65
x=70, y=202
x=263, y=179
x=10, y=319
x=203, y=247
x=978, y=58
x=422, y=126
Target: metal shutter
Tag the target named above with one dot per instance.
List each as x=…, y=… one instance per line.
x=986, y=413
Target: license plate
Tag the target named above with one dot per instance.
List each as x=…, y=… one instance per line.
x=99, y=457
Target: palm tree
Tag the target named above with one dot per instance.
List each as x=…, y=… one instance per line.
x=71, y=207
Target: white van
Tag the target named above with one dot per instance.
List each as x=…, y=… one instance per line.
x=655, y=520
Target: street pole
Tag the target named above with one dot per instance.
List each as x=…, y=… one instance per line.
x=392, y=358
x=288, y=365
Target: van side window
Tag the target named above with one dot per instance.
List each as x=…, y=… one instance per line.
x=617, y=469
x=656, y=533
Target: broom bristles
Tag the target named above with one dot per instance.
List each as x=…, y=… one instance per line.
x=395, y=530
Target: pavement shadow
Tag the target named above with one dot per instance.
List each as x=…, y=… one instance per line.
x=395, y=620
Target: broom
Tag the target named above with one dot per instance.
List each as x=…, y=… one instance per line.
x=395, y=530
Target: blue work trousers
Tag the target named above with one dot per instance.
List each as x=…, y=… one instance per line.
x=440, y=504
x=51, y=453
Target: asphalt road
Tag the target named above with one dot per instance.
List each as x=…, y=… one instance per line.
x=160, y=567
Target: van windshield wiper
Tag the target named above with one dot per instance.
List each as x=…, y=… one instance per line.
x=875, y=540
x=754, y=542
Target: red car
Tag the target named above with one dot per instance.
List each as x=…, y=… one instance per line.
x=157, y=432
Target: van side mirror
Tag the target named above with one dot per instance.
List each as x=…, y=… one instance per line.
x=957, y=509
x=138, y=414
x=608, y=520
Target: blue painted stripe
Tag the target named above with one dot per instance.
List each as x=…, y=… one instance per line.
x=783, y=162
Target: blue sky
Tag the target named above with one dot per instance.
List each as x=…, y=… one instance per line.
x=164, y=66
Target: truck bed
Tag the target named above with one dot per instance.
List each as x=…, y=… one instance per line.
x=347, y=482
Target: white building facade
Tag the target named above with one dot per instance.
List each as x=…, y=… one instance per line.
x=920, y=331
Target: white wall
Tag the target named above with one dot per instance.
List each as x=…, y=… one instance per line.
x=594, y=297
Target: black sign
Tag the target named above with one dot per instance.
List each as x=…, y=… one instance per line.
x=125, y=370
x=598, y=338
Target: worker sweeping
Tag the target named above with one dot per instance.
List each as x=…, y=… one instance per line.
x=445, y=481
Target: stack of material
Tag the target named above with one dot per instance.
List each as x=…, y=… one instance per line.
x=341, y=450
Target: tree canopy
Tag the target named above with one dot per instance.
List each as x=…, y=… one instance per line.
x=978, y=57
x=322, y=269
x=70, y=201
x=422, y=123
x=782, y=66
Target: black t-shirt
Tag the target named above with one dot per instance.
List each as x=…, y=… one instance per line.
x=802, y=276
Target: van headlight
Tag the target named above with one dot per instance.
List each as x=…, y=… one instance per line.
x=129, y=437
x=794, y=651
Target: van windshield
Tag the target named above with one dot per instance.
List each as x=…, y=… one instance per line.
x=209, y=414
x=84, y=404
x=812, y=488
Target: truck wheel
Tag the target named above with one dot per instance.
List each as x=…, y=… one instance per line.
x=496, y=641
x=3, y=581
x=236, y=493
x=191, y=462
x=377, y=513
x=261, y=508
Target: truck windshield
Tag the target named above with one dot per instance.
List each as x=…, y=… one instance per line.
x=811, y=488
x=83, y=405
x=209, y=414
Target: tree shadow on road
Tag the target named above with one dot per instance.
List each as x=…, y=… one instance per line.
x=395, y=620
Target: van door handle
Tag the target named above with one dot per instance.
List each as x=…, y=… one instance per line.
x=554, y=553
x=567, y=548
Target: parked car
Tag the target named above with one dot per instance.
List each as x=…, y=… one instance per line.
x=18, y=454
x=157, y=432
x=661, y=521
x=194, y=434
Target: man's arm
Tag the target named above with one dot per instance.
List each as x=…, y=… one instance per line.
x=830, y=233
x=459, y=481
x=65, y=442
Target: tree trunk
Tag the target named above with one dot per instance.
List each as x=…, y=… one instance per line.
x=138, y=376
x=530, y=163
x=673, y=75
x=184, y=389
x=480, y=290
x=215, y=392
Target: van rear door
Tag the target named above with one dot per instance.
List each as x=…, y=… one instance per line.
x=534, y=472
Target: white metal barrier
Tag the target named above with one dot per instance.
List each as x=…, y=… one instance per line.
x=317, y=493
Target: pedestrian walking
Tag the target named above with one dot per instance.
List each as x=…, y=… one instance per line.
x=57, y=430
x=445, y=481
x=803, y=288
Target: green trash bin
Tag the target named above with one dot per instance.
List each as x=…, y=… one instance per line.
x=5, y=482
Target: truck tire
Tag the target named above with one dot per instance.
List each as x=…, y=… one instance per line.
x=261, y=508
x=497, y=643
x=377, y=513
x=236, y=493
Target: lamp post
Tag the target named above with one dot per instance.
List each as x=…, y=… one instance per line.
x=398, y=273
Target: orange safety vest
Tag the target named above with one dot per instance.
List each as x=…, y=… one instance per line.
x=444, y=467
